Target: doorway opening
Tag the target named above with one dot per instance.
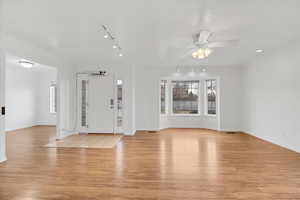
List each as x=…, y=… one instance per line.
x=30, y=94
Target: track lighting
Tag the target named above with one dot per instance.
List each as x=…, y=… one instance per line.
x=108, y=35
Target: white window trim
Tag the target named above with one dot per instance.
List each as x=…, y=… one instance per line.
x=80, y=78
x=55, y=99
x=166, y=98
x=199, y=99
x=117, y=128
x=205, y=97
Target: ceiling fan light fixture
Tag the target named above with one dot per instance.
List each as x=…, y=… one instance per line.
x=195, y=54
x=207, y=51
x=201, y=56
x=202, y=53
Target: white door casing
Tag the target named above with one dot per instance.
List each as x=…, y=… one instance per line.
x=96, y=99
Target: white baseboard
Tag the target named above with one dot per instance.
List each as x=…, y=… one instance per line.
x=3, y=159
x=46, y=124
x=132, y=133
x=229, y=130
x=29, y=126
x=190, y=127
x=20, y=127
x=66, y=133
x=271, y=140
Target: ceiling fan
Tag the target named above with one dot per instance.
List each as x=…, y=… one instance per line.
x=203, y=46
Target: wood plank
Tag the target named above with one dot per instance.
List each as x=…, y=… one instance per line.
x=170, y=164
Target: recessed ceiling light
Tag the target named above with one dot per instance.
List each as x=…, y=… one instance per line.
x=26, y=64
x=105, y=36
x=114, y=46
x=259, y=50
x=120, y=54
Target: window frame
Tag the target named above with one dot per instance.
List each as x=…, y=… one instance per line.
x=53, y=85
x=206, y=98
x=199, y=98
x=166, y=97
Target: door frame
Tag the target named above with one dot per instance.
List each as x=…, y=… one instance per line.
x=85, y=76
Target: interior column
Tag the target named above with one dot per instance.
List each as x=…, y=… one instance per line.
x=2, y=105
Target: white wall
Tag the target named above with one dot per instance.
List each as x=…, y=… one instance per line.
x=47, y=76
x=66, y=94
x=21, y=97
x=271, y=96
x=27, y=95
x=147, y=100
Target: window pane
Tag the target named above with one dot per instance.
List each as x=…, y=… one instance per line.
x=163, y=86
x=211, y=94
x=84, y=103
x=52, y=99
x=185, y=97
x=120, y=103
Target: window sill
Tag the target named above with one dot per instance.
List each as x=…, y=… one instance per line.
x=208, y=115
x=185, y=115
x=190, y=115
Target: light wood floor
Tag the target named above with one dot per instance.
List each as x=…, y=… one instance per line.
x=175, y=164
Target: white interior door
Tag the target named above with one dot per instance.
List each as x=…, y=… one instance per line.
x=101, y=104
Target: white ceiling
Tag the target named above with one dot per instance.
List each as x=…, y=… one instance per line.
x=151, y=33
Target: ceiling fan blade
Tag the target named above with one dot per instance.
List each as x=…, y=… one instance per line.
x=191, y=47
x=188, y=53
x=203, y=37
x=219, y=44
